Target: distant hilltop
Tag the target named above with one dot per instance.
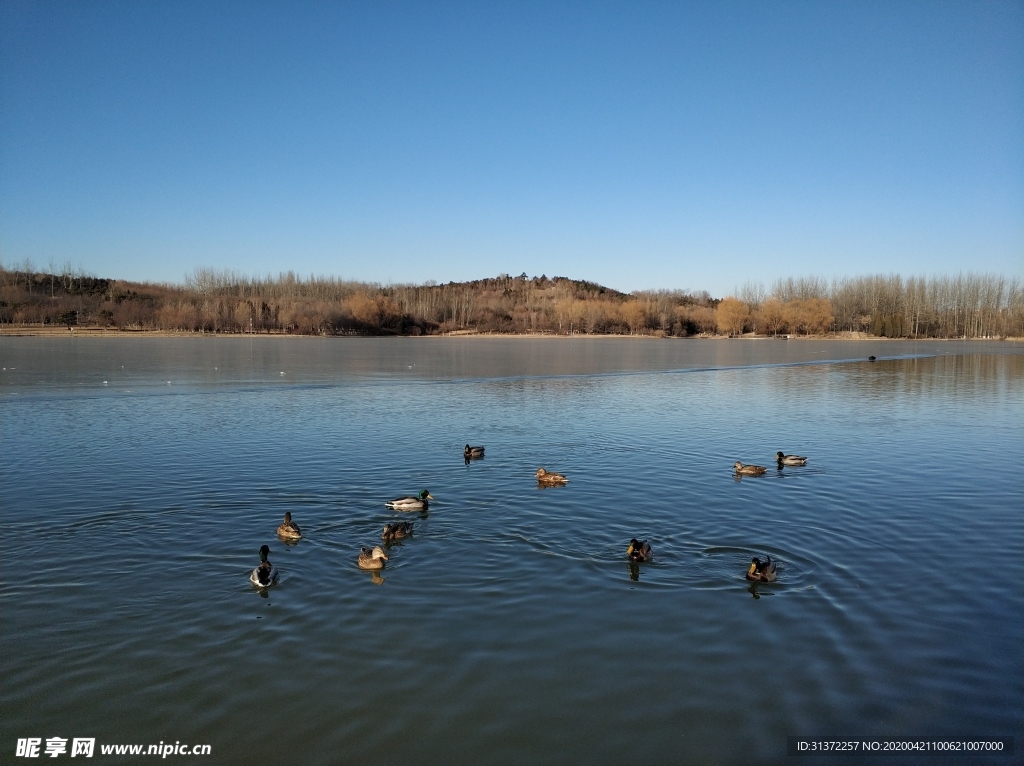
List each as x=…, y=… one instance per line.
x=211, y=301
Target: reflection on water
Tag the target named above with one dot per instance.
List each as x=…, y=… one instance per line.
x=503, y=629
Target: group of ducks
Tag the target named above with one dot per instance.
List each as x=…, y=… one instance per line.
x=758, y=470
x=767, y=570
x=374, y=558
x=266, y=574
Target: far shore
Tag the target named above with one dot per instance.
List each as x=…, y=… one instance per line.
x=51, y=331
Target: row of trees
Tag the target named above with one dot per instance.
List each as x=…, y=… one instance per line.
x=967, y=305
x=961, y=306
x=802, y=316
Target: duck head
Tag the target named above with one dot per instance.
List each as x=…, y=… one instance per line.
x=425, y=495
x=264, y=552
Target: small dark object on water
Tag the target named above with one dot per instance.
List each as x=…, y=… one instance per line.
x=871, y=359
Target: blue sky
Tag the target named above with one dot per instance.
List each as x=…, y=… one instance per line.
x=643, y=146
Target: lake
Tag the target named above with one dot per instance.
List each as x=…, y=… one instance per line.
x=140, y=476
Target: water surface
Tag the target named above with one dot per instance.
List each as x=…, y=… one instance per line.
x=140, y=476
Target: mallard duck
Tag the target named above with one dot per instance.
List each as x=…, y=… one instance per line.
x=789, y=459
x=547, y=477
x=472, y=452
x=396, y=531
x=289, y=529
x=411, y=502
x=266, y=573
x=638, y=551
x=749, y=470
x=761, y=571
x=372, y=558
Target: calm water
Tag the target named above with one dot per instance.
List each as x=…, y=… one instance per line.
x=138, y=478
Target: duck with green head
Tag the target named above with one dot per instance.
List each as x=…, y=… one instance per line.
x=411, y=502
x=265, y=574
x=783, y=459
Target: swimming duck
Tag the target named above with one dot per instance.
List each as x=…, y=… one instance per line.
x=749, y=470
x=411, y=502
x=638, y=551
x=371, y=558
x=396, y=531
x=266, y=573
x=761, y=571
x=871, y=358
x=789, y=459
x=472, y=452
x=289, y=529
x=547, y=477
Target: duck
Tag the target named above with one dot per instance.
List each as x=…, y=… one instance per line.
x=761, y=571
x=396, y=531
x=372, y=558
x=871, y=358
x=266, y=573
x=411, y=502
x=548, y=477
x=789, y=459
x=638, y=551
x=472, y=452
x=289, y=529
x=749, y=470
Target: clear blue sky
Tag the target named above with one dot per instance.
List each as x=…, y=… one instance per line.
x=640, y=145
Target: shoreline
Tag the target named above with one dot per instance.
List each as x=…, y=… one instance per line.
x=103, y=332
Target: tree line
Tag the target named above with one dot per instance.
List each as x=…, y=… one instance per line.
x=217, y=301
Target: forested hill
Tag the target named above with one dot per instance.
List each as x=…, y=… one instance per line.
x=965, y=305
